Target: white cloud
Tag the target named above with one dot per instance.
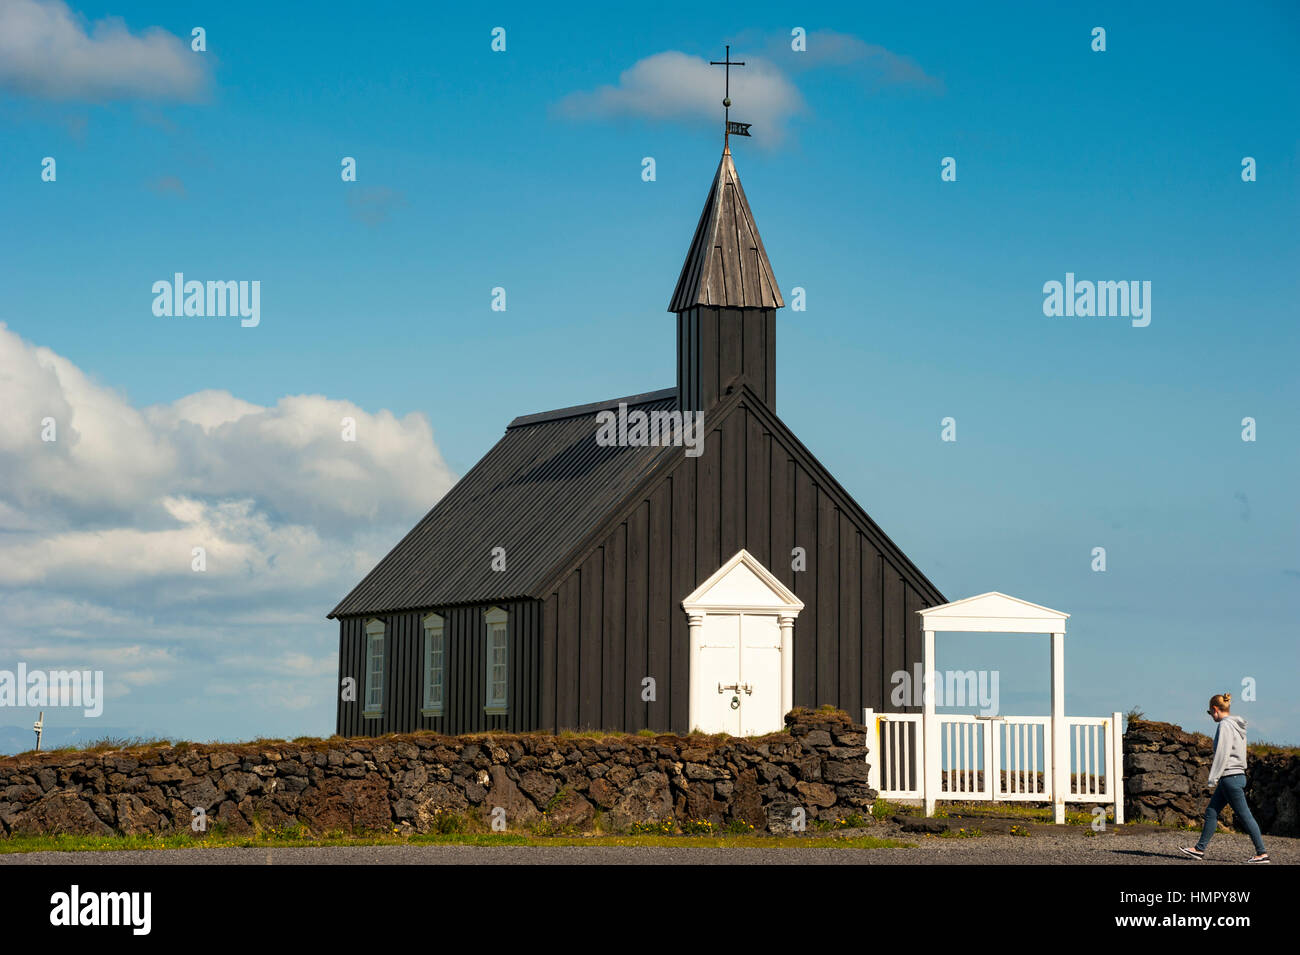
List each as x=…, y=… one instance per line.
x=674, y=85
x=828, y=49
x=47, y=51
x=209, y=462
x=97, y=530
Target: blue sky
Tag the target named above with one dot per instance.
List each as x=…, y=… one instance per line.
x=519, y=169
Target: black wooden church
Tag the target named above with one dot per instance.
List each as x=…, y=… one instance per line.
x=566, y=584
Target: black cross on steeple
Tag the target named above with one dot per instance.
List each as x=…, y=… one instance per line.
x=728, y=63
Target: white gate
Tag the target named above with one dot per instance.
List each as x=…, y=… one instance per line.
x=997, y=759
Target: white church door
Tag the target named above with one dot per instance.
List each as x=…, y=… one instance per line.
x=740, y=657
x=719, y=663
x=742, y=626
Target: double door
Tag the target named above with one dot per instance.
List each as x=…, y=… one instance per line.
x=739, y=669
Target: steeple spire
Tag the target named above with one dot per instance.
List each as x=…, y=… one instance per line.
x=726, y=265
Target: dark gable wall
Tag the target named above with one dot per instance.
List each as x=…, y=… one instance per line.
x=616, y=617
x=465, y=645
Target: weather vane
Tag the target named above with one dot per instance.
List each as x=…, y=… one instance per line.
x=740, y=129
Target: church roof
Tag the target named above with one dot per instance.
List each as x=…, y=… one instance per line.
x=537, y=493
x=727, y=265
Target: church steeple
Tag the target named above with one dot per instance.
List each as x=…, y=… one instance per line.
x=726, y=266
x=726, y=300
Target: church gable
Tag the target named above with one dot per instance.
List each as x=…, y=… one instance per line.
x=614, y=611
x=746, y=486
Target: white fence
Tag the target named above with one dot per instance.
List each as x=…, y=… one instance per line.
x=999, y=759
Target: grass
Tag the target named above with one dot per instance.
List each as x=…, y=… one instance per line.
x=1270, y=749
x=106, y=745
x=139, y=744
x=883, y=809
x=1027, y=811
x=960, y=834
x=281, y=839
x=851, y=821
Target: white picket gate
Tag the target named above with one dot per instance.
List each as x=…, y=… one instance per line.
x=998, y=759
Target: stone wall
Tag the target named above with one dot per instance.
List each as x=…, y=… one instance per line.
x=424, y=782
x=1165, y=775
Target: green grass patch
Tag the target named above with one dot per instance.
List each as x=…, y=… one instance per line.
x=1030, y=812
x=1271, y=749
x=883, y=809
x=1017, y=809
x=851, y=821
x=284, y=839
x=962, y=833
x=664, y=828
x=104, y=745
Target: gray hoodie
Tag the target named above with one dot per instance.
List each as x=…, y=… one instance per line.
x=1229, y=749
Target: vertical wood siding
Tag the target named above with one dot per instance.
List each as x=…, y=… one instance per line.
x=716, y=345
x=746, y=490
x=465, y=671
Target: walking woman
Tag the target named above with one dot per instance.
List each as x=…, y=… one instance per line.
x=1228, y=779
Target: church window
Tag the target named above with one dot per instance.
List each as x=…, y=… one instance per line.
x=374, y=669
x=433, y=665
x=498, y=660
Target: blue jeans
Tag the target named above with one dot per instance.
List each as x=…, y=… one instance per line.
x=1231, y=790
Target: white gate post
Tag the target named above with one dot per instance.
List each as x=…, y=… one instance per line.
x=929, y=726
x=1117, y=755
x=694, y=709
x=1060, y=739
x=871, y=739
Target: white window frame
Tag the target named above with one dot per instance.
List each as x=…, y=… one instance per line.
x=434, y=678
x=498, y=632
x=375, y=659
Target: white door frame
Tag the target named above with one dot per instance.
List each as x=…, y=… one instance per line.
x=732, y=588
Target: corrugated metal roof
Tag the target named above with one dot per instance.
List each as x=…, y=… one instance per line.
x=537, y=493
x=727, y=265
